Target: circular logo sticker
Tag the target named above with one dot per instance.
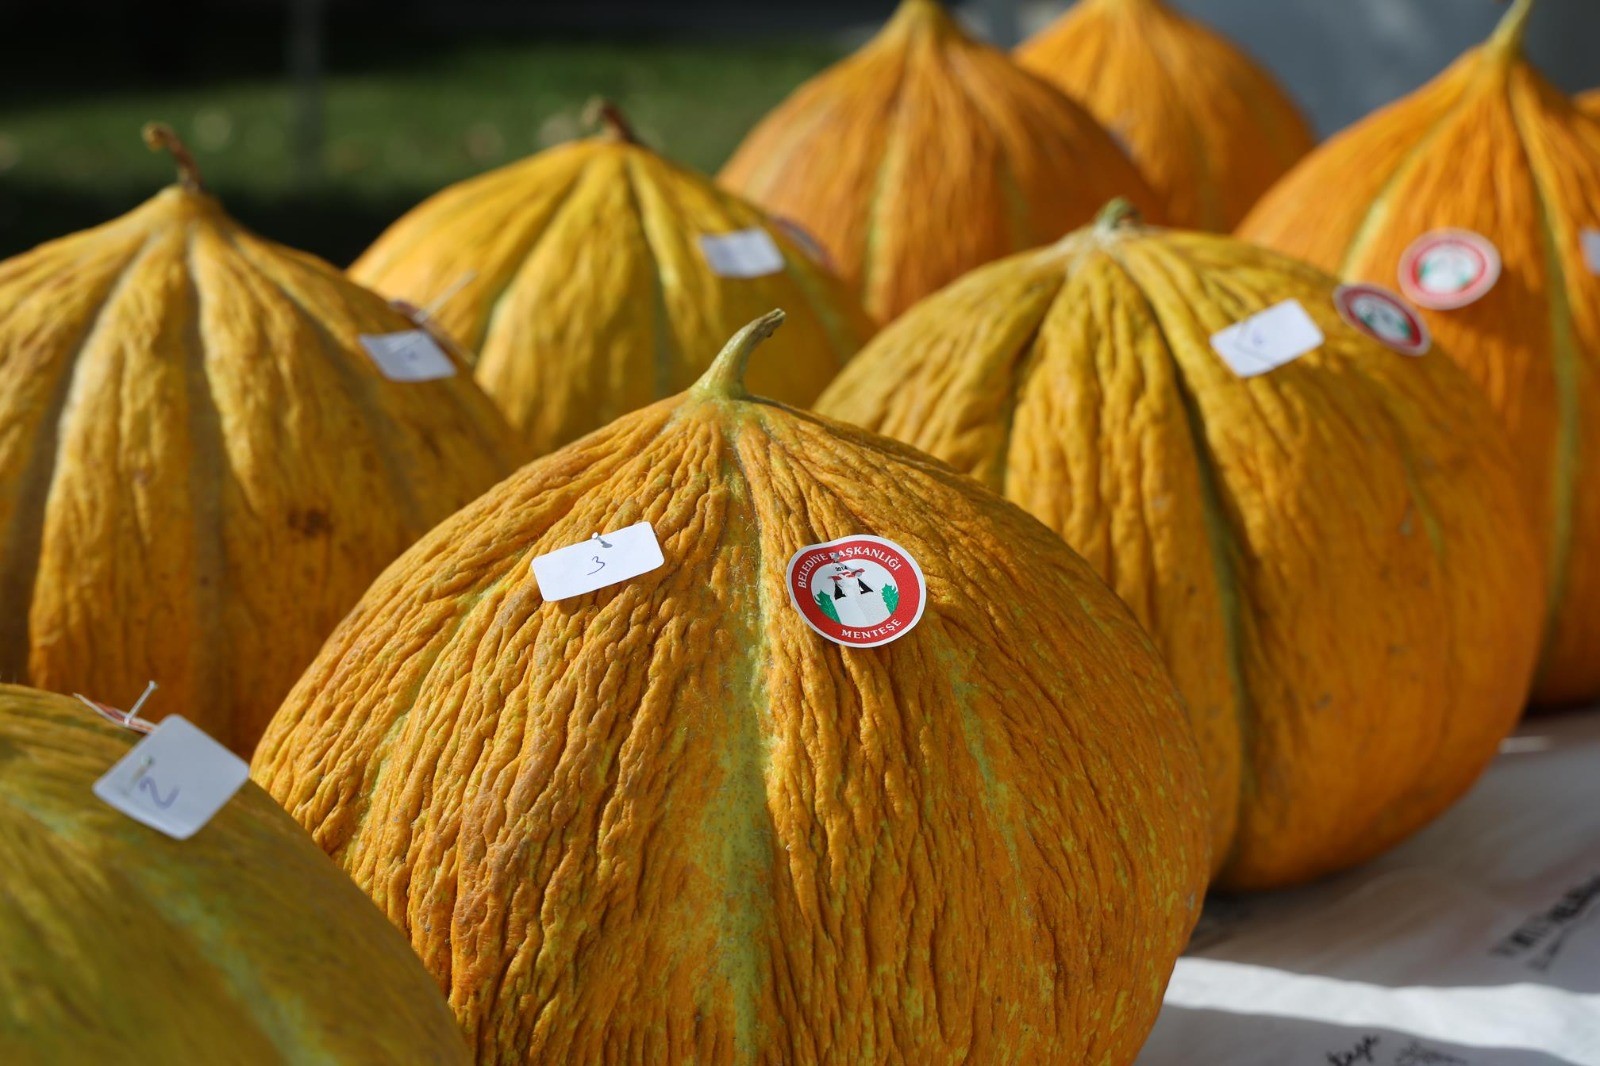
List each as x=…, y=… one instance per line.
x=1382, y=315
x=1449, y=269
x=860, y=591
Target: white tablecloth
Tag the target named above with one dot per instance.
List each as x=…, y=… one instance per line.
x=1477, y=943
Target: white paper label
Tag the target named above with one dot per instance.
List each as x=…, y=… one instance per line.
x=411, y=355
x=1541, y=939
x=749, y=253
x=1387, y=1049
x=173, y=780
x=1591, y=250
x=1280, y=334
x=597, y=562
x=1474, y=943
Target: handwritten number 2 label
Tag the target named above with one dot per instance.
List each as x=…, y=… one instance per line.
x=593, y=564
x=174, y=780
x=147, y=784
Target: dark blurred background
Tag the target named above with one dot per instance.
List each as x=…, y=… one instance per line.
x=320, y=121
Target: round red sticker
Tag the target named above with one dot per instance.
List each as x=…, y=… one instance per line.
x=860, y=591
x=1449, y=269
x=1382, y=315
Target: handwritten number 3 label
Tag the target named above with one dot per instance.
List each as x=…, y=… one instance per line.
x=593, y=564
x=174, y=780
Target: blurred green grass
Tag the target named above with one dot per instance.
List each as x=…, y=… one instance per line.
x=393, y=134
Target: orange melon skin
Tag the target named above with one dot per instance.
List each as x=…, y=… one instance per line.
x=200, y=468
x=926, y=154
x=578, y=278
x=667, y=822
x=1210, y=128
x=1331, y=555
x=1490, y=146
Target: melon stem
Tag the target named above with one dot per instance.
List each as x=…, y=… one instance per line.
x=1118, y=214
x=1508, y=36
x=724, y=379
x=612, y=122
x=912, y=15
x=160, y=137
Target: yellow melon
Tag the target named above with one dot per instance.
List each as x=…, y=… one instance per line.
x=239, y=945
x=598, y=277
x=201, y=466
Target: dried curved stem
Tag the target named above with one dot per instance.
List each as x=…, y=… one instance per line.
x=609, y=117
x=160, y=137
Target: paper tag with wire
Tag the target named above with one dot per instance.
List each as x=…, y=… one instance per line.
x=126, y=719
x=174, y=780
x=423, y=317
x=603, y=559
x=411, y=355
x=808, y=242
